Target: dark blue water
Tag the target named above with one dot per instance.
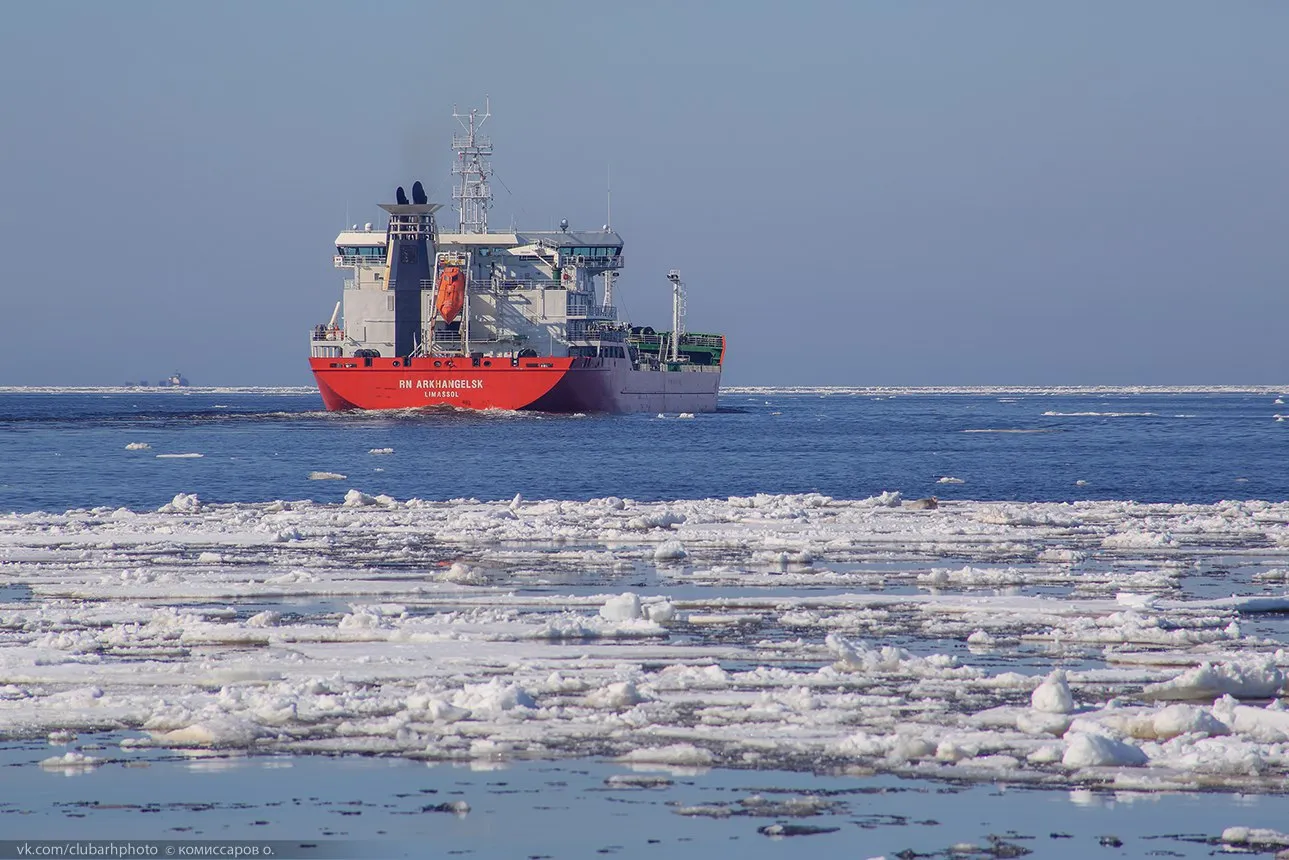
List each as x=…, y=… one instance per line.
x=60, y=451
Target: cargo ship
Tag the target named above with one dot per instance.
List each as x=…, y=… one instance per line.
x=516, y=320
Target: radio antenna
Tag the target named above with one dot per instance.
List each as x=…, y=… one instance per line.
x=473, y=196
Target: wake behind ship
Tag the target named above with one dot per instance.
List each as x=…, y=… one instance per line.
x=484, y=320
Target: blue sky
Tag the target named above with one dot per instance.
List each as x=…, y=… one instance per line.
x=856, y=193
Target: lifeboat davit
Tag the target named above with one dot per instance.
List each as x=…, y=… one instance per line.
x=451, y=293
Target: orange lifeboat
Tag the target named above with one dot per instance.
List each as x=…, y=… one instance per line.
x=451, y=293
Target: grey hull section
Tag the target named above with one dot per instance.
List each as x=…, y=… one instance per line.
x=623, y=390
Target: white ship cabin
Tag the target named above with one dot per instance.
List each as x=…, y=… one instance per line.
x=526, y=294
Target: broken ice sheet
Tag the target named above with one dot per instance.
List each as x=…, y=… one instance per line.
x=774, y=631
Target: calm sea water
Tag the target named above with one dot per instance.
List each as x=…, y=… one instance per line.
x=60, y=451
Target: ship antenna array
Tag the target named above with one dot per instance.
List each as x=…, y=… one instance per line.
x=677, y=312
x=473, y=197
x=609, y=274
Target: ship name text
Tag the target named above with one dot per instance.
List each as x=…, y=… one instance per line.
x=441, y=384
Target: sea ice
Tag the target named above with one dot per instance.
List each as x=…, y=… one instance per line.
x=624, y=607
x=670, y=550
x=216, y=731
x=622, y=694
x=685, y=755
x=1254, y=678
x=493, y=697
x=71, y=761
x=799, y=627
x=1259, y=837
x=1083, y=749
x=182, y=503
x=464, y=574
x=1053, y=695
x=1177, y=720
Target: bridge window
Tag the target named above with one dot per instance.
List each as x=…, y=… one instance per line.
x=598, y=252
x=364, y=251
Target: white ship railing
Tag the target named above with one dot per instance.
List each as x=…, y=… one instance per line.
x=592, y=262
x=322, y=333
x=359, y=260
x=579, y=305
x=326, y=342
x=499, y=284
x=463, y=141
x=594, y=330
x=445, y=345
x=686, y=339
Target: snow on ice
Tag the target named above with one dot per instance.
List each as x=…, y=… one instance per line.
x=1067, y=644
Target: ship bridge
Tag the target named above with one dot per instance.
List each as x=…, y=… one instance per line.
x=596, y=251
x=602, y=249
x=360, y=246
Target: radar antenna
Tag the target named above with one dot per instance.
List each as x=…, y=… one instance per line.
x=473, y=197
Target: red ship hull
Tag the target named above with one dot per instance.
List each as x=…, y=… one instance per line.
x=543, y=384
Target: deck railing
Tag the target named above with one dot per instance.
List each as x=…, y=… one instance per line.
x=357, y=260
x=711, y=341
x=322, y=333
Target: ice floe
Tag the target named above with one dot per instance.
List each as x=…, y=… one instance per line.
x=1258, y=838
x=1084, y=750
x=1257, y=677
x=1064, y=644
x=72, y=761
x=1053, y=696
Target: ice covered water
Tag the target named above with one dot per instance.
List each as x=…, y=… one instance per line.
x=1083, y=592
x=1062, y=644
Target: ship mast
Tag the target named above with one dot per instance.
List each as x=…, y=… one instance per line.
x=677, y=312
x=473, y=197
x=609, y=274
